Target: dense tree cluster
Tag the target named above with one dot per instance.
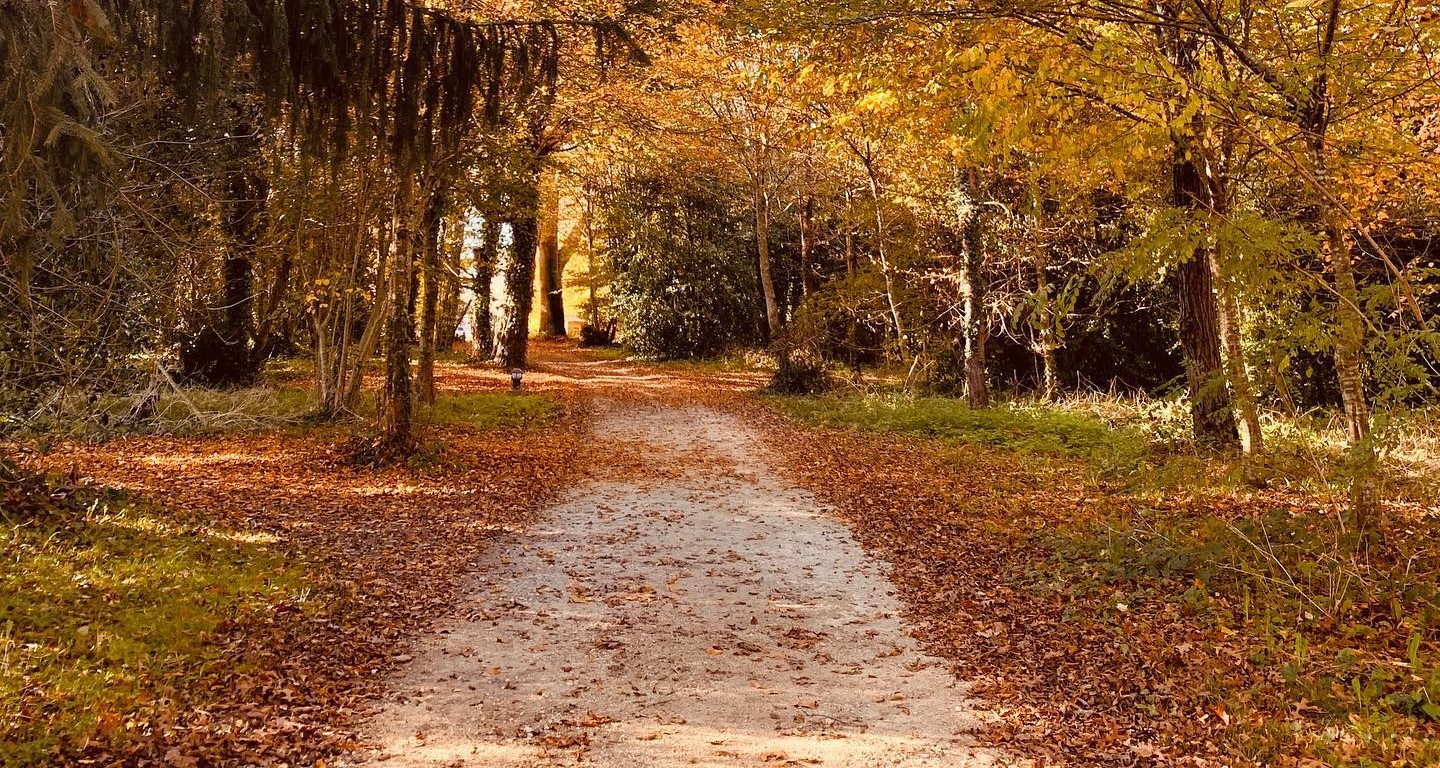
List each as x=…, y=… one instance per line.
x=208, y=185
x=1236, y=198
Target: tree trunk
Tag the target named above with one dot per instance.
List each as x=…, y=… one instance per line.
x=1045, y=322
x=809, y=280
x=1313, y=120
x=552, y=287
x=483, y=344
x=767, y=275
x=891, y=297
x=514, y=335
x=396, y=422
x=243, y=217
x=1211, y=417
x=451, y=313
x=973, y=286
x=1349, y=370
x=852, y=268
x=430, y=296
x=1241, y=389
x=1349, y=342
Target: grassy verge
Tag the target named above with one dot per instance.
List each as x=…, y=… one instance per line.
x=1019, y=428
x=1200, y=601
x=493, y=410
x=128, y=630
x=108, y=609
x=1341, y=647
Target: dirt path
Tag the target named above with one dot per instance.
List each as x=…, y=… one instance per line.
x=705, y=613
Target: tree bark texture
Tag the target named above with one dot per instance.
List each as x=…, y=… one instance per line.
x=514, y=334
x=430, y=295
x=1211, y=417
x=976, y=330
x=552, y=287
x=767, y=274
x=396, y=424
x=486, y=254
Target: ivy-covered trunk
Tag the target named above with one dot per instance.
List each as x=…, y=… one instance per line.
x=396, y=422
x=485, y=254
x=430, y=295
x=513, y=338
x=520, y=286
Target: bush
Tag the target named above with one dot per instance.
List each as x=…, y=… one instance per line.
x=800, y=372
x=602, y=335
x=684, y=275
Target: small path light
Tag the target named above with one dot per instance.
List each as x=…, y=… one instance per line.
x=516, y=375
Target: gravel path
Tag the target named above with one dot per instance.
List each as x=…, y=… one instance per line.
x=703, y=613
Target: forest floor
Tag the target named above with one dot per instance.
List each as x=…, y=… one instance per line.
x=638, y=564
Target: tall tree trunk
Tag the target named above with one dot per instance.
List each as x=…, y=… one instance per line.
x=809, y=280
x=852, y=268
x=430, y=295
x=1046, y=325
x=767, y=275
x=891, y=294
x=973, y=285
x=396, y=422
x=451, y=313
x=514, y=335
x=552, y=287
x=1350, y=338
x=1313, y=120
x=486, y=253
x=1241, y=388
x=351, y=380
x=1212, y=419
x=243, y=221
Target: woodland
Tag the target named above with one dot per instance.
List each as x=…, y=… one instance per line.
x=1108, y=327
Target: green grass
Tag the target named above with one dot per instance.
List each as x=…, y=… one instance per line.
x=1350, y=636
x=110, y=610
x=1355, y=636
x=241, y=407
x=1015, y=427
x=493, y=410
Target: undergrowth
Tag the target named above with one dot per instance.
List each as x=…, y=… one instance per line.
x=1345, y=645
x=1013, y=427
x=1342, y=642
